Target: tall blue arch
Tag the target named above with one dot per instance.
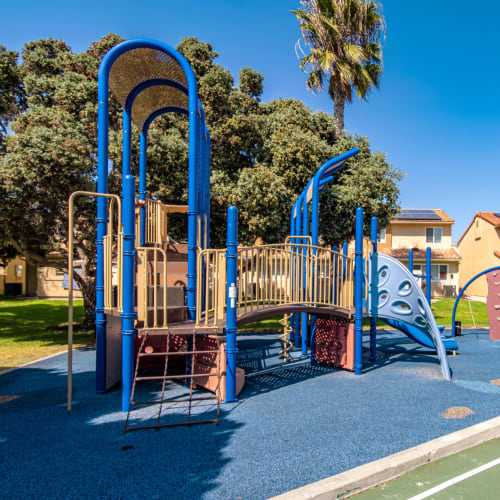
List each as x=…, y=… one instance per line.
x=198, y=183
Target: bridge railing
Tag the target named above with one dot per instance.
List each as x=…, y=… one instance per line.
x=274, y=275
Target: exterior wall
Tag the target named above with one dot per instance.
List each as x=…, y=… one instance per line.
x=477, y=248
x=14, y=272
x=50, y=284
x=412, y=235
x=388, y=238
x=437, y=286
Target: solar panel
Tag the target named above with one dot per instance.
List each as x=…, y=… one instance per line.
x=413, y=214
x=496, y=214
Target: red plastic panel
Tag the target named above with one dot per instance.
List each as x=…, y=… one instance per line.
x=335, y=342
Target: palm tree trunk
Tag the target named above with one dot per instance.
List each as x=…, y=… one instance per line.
x=338, y=113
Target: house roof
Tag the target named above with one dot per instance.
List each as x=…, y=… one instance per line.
x=492, y=217
x=422, y=215
x=418, y=254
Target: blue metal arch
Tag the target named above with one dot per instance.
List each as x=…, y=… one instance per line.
x=462, y=292
x=152, y=83
x=102, y=187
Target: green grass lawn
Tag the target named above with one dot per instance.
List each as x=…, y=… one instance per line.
x=33, y=329
x=442, y=310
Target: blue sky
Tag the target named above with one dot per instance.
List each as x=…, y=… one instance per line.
x=437, y=114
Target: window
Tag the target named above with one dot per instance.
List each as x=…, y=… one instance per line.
x=19, y=270
x=381, y=235
x=439, y=272
x=433, y=234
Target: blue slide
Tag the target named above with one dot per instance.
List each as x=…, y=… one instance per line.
x=419, y=336
x=396, y=298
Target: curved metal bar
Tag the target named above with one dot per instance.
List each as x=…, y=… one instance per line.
x=462, y=292
x=328, y=168
x=102, y=351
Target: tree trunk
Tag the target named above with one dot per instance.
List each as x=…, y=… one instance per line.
x=338, y=113
x=87, y=287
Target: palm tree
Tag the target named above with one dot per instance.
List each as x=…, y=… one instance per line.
x=345, y=51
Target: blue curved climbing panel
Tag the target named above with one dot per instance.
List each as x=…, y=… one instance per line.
x=395, y=295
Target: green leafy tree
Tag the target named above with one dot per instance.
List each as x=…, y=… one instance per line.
x=262, y=155
x=52, y=153
x=343, y=39
x=12, y=97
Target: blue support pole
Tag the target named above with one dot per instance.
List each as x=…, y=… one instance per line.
x=373, y=320
x=231, y=297
x=358, y=294
x=192, y=203
x=335, y=271
x=345, y=248
x=101, y=220
x=428, y=274
x=143, y=145
x=410, y=261
x=298, y=232
x=128, y=315
x=305, y=232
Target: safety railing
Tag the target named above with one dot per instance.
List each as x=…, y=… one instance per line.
x=151, y=287
x=211, y=288
x=113, y=265
x=156, y=230
x=274, y=275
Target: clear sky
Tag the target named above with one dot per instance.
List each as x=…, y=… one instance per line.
x=436, y=115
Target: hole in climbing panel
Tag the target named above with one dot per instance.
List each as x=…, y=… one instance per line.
x=383, y=275
x=383, y=297
x=421, y=307
x=404, y=288
x=401, y=307
x=419, y=320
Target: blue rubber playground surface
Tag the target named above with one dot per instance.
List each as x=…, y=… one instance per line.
x=291, y=426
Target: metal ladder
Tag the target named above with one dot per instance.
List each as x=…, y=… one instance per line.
x=199, y=365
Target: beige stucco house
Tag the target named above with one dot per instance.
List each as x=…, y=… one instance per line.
x=20, y=278
x=418, y=229
x=480, y=249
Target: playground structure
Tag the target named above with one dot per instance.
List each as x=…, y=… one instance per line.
x=141, y=316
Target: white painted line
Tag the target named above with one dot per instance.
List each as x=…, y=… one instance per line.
x=367, y=476
x=455, y=480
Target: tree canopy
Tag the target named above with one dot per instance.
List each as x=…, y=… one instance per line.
x=263, y=154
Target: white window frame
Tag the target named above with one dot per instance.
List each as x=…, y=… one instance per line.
x=419, y=270
x=382, y=235
x=439, y=266
x=434, y=235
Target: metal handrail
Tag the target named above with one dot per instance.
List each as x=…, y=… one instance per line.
x=70, y=275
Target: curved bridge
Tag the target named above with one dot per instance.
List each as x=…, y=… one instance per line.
x=274, y=280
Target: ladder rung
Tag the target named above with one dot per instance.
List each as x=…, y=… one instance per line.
x=162, y=401
x=167, y=377
x=176, y=353
x=176, y=424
